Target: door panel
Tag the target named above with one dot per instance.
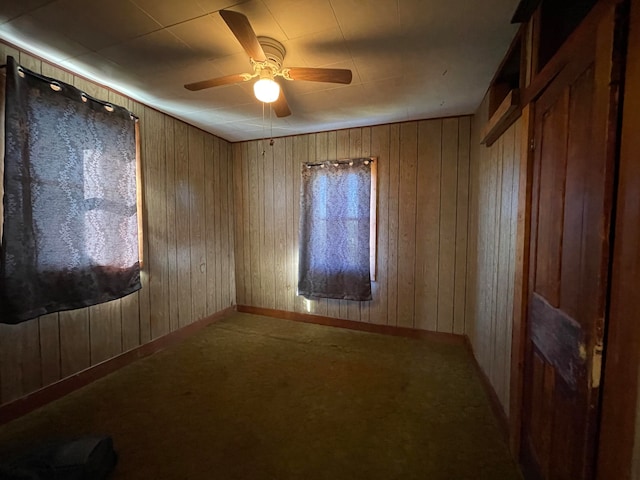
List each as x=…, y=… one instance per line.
x=576, y=183
x=553, y=132
x=574, y=158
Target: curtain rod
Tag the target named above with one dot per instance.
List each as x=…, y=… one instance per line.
x=335, y=163
x=54, y=82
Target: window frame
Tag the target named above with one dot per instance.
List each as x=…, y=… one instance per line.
x=373, y=219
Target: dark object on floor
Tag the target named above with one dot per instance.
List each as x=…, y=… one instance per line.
x=86, y=458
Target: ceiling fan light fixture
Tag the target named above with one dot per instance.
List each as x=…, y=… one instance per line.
x=266, y=90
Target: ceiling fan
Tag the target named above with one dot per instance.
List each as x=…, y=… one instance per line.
x=266, y=56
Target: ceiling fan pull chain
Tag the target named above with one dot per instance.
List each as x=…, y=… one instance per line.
x=271, y=122
x=263, y=135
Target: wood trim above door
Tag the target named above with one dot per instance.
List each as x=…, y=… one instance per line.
x=567, y=51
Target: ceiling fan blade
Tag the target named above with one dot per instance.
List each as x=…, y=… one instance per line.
x=217, y=82
x=280, y=106
x=331, y=75
x=241, y=28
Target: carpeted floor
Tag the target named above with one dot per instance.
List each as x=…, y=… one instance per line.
x=259, y=398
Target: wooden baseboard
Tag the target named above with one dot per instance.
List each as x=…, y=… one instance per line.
x=494, y=401
x=39, y=398
x=353, y=325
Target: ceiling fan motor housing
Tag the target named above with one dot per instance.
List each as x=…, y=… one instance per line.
x=274, y=51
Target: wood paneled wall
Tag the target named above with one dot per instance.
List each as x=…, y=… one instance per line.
x=423, y=178
x=494, y=179
x=188, y=269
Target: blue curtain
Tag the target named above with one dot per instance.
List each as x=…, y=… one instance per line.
x=70, y=235
x=334, y=230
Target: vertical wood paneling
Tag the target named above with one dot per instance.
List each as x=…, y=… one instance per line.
x=182, y=223
x=225, y=153
x=170, y=199
x=280, y=223
x=491, y=250
x=462, y=220
x=75, y=350
x=493, y=343
x=214, y=218
x=503, y=311
x=407, y=224
x=254, y=222
x=300, y=150
x=246, y=220
x=177, y=203
x=210, y=147
x=311, y=304
x=222, y=260
x=49, y=336
x=105, y=326
x=393, y=215
x=130, y=310
x=448, y=223
x=292, y=226
x=238, y=201
x=428, y=223
x=156, y=208
x=226, y=252
x=423, y=175
x=267, y=273
x=197, y=224
x=144, y=307
x=380, y=148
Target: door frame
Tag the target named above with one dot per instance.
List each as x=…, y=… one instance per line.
x=619, y=429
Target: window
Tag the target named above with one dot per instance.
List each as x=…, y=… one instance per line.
x=70, y=226
x=337, y=229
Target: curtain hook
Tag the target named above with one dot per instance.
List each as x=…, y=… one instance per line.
x=84, y=97
x=55, y=86
x=21, y=72
x=108, y=107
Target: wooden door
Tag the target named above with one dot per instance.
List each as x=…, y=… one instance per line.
x=573, y=181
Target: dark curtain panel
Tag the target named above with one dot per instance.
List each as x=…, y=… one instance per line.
x=334, y=230
x=70, y=236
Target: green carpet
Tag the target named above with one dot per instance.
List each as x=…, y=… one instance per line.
x=254, y=397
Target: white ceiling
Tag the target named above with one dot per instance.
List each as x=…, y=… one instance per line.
x=411, y=59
